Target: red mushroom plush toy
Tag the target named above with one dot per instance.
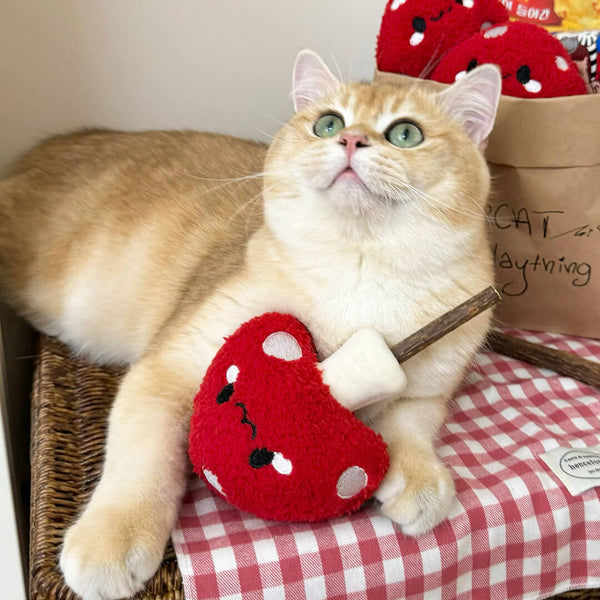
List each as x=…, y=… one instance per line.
x=269, y=432
x=416, y=34
x=534, y=64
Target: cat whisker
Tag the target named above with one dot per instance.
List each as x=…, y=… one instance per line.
x=225, y=179
x=278, y=121
x=391, y=193
x=440, y=204
x=404, y=187
x=299, y=130
x=266, y=134
x=336, y=65
x=252, y=204
x=440, y=215
x=431, y=203
x=223, y=182
x=245, y=205
x=434, y=59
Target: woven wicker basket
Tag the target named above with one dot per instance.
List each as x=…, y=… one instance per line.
x=71, y=400
x=70, y=404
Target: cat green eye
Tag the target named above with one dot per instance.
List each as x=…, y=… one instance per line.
x=404, y=134
x=328, y=125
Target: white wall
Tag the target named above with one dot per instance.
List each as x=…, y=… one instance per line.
x=219, y=65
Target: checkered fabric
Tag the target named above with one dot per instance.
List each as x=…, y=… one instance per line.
x=514, y=530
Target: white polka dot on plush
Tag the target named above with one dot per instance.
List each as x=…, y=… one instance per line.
x=212, y=479
x=495, y=32
x=232, y=374
x=351, y=482
x=396, y=4
x=416, y=38
x=282, y=345
x=561, y=63
x=533, y=86
x=281, y=464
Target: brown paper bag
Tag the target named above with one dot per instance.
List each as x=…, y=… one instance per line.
x=544, y=210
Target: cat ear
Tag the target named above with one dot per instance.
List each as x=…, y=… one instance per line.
x=312, y=79
x=473, y=100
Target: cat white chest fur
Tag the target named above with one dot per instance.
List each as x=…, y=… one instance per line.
x=392, y=275
x=352, y=290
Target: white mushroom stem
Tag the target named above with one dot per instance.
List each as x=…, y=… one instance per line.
x=363, y=371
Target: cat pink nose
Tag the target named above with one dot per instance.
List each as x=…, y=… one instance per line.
x=353, y=141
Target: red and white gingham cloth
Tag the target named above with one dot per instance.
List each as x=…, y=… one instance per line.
x=513, y=532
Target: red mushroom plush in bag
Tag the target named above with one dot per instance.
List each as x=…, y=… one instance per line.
x=415, y=34
x=269, y=436
x=534, y=64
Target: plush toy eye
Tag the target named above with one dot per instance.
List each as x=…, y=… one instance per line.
x=472, y=64
x=523, y=74
x=418, y=36
x=418, y=24
x=466, y=3
x=260, y=457
x=225, y=394
x=524, y=77
x=328, y=125
x=404, y=134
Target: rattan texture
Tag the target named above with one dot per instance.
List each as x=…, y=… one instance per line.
x=70, y=404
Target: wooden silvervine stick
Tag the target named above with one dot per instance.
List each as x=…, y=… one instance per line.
x=564, y=363
x=445, y=324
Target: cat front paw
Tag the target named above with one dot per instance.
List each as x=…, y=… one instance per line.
x=110, y=554
x=416, y=501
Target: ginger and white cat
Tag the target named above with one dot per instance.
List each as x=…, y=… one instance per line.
x=149, y=248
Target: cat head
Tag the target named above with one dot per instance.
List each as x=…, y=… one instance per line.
x=364, y=153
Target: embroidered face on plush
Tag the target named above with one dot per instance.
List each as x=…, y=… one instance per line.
x=415, y=34
x=534, y=64
x=267, y=434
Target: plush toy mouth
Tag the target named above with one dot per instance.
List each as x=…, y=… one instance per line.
x=245, y=420
x=259, y=457
x=225, y=395
x=419, y=24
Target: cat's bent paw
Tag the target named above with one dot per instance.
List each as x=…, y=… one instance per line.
x=107, y=556
x=418, y=503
